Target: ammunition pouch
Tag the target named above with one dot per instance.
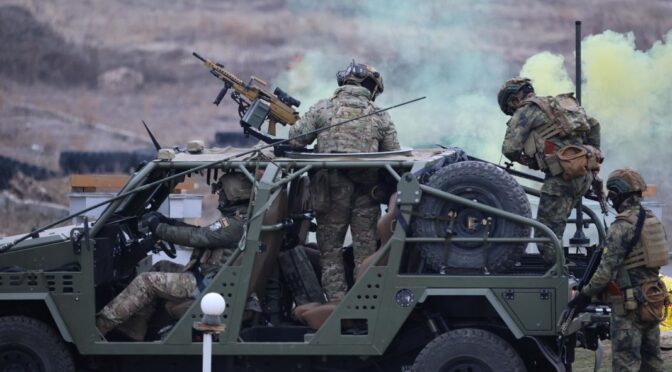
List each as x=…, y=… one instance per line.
x=617, y=303
x=653, y=298
x=320, y=197
x=577, y=160
x=553, y=165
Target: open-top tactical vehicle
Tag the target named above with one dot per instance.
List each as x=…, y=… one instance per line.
x=451, y=287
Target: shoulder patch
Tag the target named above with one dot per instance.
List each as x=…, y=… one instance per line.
x=215, y=226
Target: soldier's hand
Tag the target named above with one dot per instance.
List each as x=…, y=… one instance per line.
x=579, y=303
x=281, y=149
x=151, y=220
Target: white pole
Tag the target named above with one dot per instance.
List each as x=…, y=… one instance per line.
x=207, y=352
x=213, y=306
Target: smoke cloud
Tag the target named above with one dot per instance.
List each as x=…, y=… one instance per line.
x=628, y=90
x=420, y=51
x=427, y=51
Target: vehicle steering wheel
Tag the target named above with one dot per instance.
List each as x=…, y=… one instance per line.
x=166, y=247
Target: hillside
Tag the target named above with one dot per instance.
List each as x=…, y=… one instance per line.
x=79, y=75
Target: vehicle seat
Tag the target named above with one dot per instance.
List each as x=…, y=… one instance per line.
x=264, y=262
x=315, y=314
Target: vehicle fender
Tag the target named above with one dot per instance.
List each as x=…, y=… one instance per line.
x=51, y=306
x=484, y=292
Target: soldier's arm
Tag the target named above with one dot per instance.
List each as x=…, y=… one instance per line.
x=389, y=140
x=510, y=147
x=225, y=232
x=519, y=128
x=620, y=234
x=314, y=119
x=593, y=138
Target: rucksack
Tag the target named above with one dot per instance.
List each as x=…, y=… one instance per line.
x=567, y=117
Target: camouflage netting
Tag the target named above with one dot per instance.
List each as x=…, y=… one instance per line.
x=32, y=52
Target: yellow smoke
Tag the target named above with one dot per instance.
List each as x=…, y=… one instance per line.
x=629, y=91
x=548, y=74
x=626, y=89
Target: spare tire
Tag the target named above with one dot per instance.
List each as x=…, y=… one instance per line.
x=484, y=183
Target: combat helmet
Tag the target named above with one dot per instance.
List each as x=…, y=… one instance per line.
x=361, y=74
x=233, y=188
x=625, y=180
x=511, y=87
x=623, y=183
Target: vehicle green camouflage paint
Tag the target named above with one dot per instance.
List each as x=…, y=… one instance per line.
x=51, y=286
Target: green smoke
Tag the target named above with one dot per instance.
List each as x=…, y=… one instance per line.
x=420, y=51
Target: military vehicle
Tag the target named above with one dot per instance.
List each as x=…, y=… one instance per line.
x=451, y=287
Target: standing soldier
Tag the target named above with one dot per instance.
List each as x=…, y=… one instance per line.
x=342, y=198
x=634, y=251
x=167, y=280
x=554, y=135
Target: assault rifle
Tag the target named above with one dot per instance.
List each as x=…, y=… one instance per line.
x=255, y=103
x=598, y=191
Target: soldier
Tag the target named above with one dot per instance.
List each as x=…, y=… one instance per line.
x=167, y=280
x=541, y=128
x=634, y=251
x=342, y=198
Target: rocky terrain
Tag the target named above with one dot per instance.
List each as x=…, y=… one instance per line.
x=79, y=75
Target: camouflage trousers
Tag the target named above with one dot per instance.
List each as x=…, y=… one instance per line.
x=139, y=300
x=352, y=208
x=558, y=198
x=635, y=344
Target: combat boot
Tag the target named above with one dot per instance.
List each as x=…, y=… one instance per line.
x=134, y=328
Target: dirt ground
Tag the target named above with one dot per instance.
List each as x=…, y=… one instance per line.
x=585, y=359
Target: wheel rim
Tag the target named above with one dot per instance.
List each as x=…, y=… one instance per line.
x=18, y=358
x=465, y=364
x=468, y=223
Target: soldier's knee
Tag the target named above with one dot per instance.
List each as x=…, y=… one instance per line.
x=142, y=280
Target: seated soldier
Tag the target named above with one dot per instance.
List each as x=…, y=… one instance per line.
x=167, y=280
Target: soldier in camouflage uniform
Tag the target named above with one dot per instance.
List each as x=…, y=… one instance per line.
x=524, y=144
x=342, y=198
x=623, y=274
x=213, y=245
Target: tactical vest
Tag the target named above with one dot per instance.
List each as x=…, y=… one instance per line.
x=567, y=125
x=651, y=250
x=360, y=135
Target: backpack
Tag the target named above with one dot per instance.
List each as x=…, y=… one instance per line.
x=565, y=114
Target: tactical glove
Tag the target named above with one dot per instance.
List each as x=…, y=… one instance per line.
x=281, y=149
x=151, y=220
x=579, y=303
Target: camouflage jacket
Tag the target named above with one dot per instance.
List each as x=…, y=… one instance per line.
x=525, y=120
x=213, y=244
x=370, y=134
x=620, y=234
